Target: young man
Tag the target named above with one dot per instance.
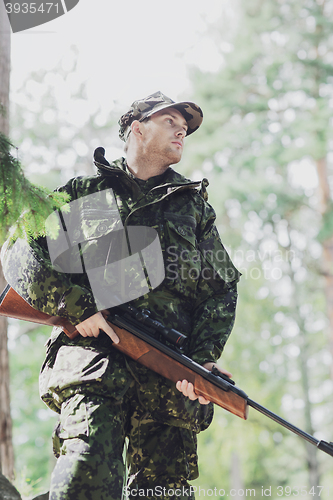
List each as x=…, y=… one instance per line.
x=101, y=395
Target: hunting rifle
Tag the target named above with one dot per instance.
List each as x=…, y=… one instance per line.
x=139, y=336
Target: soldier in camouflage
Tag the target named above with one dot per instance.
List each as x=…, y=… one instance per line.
x=102, y=396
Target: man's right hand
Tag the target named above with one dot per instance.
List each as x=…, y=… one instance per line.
x=90, y=327
x=188, y=390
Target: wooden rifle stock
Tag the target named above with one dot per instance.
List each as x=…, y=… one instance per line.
x=13, y=306
x=163, y=363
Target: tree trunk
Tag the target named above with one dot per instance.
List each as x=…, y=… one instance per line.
x=4, y=69
x=236, y=481
x=327, y=259
x=6, y=446
x=302, y=342
x=311, y=452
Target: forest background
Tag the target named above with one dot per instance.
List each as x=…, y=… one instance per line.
x=265, y=84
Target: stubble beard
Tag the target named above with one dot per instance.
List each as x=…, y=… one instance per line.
x=165, y=157
x=172, y=155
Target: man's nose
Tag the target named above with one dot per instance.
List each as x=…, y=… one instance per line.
x=180, y=132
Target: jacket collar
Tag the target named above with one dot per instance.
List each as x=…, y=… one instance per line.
x=169, y=178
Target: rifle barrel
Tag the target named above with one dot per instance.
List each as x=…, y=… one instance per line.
x=322, y=445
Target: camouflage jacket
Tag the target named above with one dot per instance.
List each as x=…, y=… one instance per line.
x=197, y=296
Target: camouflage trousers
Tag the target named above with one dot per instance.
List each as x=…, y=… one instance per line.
x=89, y=443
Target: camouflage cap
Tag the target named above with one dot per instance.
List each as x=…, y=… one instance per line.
x=143, y=108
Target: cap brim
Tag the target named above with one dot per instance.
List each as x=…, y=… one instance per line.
x=190, y=111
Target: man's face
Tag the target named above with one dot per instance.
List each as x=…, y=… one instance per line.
x=163, y=135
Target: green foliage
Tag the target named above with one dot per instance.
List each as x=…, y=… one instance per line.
x=26, y=486
x=18, y=195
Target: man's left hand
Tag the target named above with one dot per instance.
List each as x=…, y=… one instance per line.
x=187, y=388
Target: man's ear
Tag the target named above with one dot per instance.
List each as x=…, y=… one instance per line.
x=136, y=127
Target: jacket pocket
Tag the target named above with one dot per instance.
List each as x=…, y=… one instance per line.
x=74, y=420
x=75, y=366
x=84, y=226
x=73, y=424
x=217, y=270
x=92, y=216
x=181, y=255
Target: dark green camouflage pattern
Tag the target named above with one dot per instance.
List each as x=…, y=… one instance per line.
x=143, y=108
x=197, y=297
x=157, y=455
x=198, y=294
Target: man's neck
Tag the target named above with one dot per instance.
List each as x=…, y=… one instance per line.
x=145, y=170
